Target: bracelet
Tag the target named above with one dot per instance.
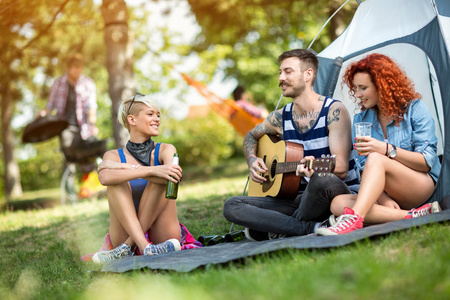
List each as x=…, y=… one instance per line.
x=133, y=167
x=387, y=147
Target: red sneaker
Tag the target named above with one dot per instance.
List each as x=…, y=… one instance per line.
x=346, y=223
x=424, y=210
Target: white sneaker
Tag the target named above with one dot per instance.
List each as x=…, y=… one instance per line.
x=166, y=247
x=123, y=250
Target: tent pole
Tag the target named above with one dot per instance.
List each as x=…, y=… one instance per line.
x=329, y=19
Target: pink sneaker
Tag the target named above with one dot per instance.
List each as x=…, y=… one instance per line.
x=346, y=223
x=424, y=210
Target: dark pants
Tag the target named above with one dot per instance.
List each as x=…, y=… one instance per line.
x=287, y=216
x=71, y=142
x=70, y=139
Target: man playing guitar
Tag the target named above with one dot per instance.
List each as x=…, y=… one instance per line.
x=322, y=126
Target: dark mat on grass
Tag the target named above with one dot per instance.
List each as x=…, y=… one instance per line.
x=188, y=260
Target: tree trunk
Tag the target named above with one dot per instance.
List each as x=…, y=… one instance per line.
x=13, y=188
x=119, y=62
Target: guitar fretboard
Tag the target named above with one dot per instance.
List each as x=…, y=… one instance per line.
x=320, y=164
x=286, y=167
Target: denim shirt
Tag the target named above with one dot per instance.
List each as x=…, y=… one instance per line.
x=415, y=133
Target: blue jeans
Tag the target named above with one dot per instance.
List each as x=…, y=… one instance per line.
x=287, y=216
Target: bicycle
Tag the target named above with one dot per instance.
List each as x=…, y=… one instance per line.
x=85, y=158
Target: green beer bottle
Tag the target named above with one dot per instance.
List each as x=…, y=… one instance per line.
x=172, y=188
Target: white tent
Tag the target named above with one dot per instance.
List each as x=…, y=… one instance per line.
x=416, y=34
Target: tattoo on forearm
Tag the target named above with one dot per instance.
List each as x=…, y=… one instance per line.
x=334, y=117
x=258, y=131
x=249, y=145
x=251, y=160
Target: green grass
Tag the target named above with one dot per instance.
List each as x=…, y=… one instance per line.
x=40, y=251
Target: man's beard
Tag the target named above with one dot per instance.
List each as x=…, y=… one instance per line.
x=296, y=91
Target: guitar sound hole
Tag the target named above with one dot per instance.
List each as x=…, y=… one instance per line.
x=273, y=169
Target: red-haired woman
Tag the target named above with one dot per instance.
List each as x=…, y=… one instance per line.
x=399, y=162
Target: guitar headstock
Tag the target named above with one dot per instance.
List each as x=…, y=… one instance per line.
x=324, y=164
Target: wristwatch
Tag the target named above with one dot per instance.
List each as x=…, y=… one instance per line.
x=393, y=152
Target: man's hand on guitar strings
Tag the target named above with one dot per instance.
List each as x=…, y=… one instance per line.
x=256, y=169
x=303, y=168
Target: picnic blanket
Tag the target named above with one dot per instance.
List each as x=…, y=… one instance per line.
x=188, y=260
x=187, y=241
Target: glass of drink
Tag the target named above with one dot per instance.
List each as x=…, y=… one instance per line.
x=362, y=129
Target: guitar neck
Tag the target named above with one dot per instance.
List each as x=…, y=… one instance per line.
x=287, y=167
x=323, y=165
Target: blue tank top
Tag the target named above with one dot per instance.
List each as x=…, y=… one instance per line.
x=315, y=141
x=138, y=185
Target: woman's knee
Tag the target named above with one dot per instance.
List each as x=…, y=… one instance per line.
x=375, y=159
x=340, y=202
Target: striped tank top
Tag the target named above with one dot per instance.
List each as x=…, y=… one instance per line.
x=315, y=141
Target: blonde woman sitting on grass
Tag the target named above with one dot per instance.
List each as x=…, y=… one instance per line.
x=136, y=178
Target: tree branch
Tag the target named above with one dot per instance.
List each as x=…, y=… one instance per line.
x=41, y=33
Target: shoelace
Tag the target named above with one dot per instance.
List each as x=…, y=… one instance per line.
x=164, y=247
x=420, y=213
x=115, y=253
x=275, y=236
x=161, y=248
x=344, y=222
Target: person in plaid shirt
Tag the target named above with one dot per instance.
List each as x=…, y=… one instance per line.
x=73, y=96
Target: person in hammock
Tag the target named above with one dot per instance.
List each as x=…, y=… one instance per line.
x=242, y=99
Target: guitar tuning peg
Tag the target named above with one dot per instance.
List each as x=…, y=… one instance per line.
x=322, y=156
x=333, y=156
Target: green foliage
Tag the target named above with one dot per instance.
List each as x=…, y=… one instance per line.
x=255, y=32
x=44, y=169
x=203, y=140
x=37, y=37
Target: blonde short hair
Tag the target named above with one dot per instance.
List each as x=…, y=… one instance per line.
x=136, y=106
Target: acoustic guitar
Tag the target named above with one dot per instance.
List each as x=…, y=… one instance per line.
x=282, y=159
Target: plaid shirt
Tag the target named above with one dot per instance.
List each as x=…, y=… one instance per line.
x=85, y=100
x=250, y=108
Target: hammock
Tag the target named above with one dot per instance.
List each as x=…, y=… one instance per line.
x=241, y=120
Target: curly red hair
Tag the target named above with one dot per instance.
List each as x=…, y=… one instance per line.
x=395, y=89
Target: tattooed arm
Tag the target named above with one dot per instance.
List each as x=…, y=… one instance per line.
x=272, y=125
x=340, y=137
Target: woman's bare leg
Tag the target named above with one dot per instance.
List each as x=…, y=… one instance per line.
x=407, y=187
x=376, y=215
x=124, y=225
x=158, y=214
x=166, y=226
